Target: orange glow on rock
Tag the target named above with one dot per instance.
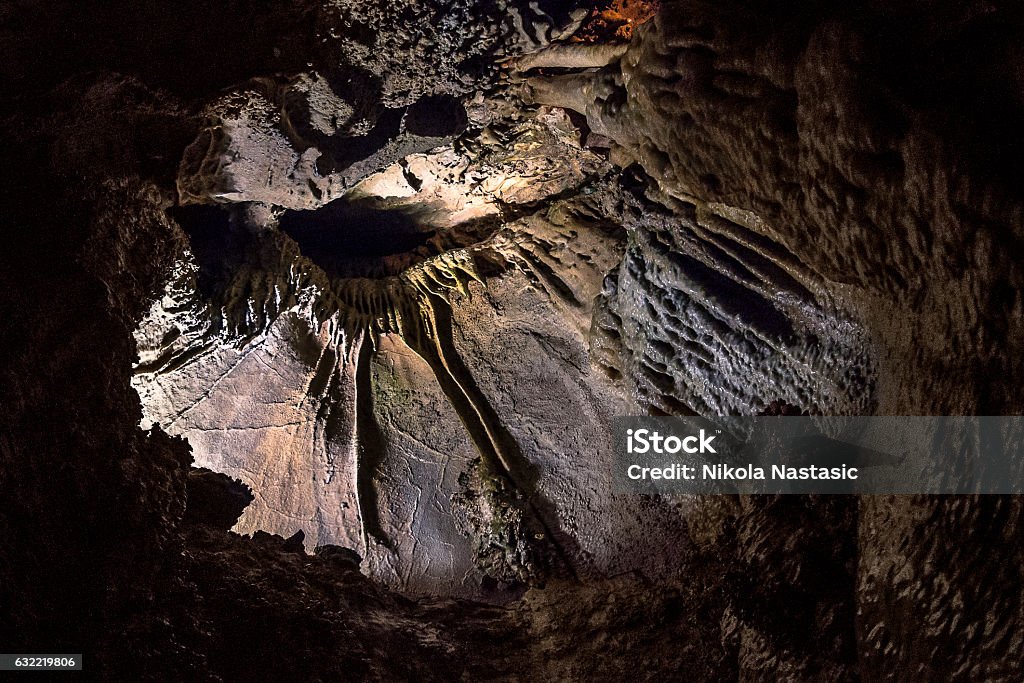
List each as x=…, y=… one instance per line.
x=616, y=20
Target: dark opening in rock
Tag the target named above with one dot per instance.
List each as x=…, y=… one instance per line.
x=353, y=240
x=436, y=116
x=217, y=244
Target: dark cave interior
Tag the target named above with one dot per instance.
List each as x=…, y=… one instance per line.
x=317, y=316
x=349, y=240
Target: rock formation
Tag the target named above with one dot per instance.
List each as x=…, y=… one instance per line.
x=385, y=272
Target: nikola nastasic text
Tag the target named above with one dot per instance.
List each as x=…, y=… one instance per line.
x=722, y=472
x=644, y=441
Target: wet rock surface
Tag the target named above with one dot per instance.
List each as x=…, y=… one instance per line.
x=344, y=258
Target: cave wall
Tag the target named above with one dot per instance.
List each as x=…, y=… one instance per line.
x=860, y=150
x=865, y=153
x=848, y=174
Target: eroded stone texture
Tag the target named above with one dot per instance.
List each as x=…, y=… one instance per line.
x=253, y=150
x=340, y=391
x=876, y=182
x=887, y=191
x=283, y=410
x=384, y=86
x=707, y=317
x=97, y=551
x=818, y=218
x=423, y=449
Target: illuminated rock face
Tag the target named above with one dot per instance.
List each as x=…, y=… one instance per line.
x=410, y=389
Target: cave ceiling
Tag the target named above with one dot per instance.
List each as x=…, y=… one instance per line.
x=396, y=266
